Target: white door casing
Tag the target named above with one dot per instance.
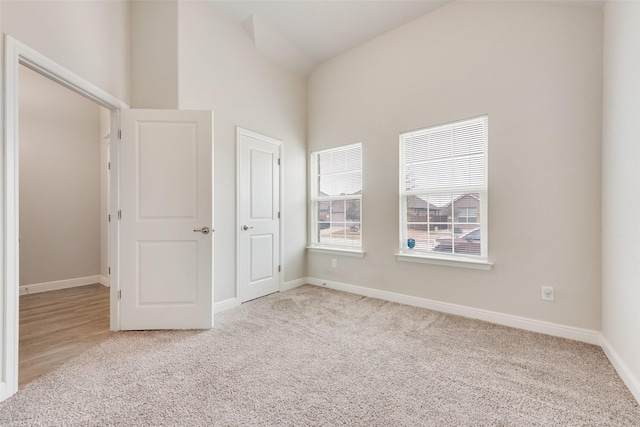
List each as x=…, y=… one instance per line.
x=166, y=253
x=18, y=53
x=259, y=215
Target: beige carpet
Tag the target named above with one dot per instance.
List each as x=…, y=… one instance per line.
x=317, y=357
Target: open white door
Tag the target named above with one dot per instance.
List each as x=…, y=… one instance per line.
x=259, y=215
x=166, y=249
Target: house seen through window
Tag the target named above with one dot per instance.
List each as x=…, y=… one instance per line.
x=336, y=197
x=444, y=193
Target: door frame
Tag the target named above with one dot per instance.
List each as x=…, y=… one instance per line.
x=15, y=54
x=239, y=133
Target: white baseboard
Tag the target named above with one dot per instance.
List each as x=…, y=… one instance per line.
x=221, y=306
x=554, y=329
x=293, y=284
x=632, y=383
x=227, y=304
x=104, y=281
x=4, y=394
x=59, y=284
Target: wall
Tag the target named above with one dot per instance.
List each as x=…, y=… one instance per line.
x=59, y=182
x=89, y=38
x=536, y=70
x=220, y=70
x=620, y=177
x=154, y=52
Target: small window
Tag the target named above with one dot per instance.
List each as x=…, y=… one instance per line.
x=443, y=203
x=336, y=197
x=467, y=215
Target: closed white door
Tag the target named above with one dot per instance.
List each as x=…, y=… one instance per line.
x=259, y=269
x=166, y=249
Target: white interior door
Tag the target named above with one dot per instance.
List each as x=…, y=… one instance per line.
x=259, y=215
x=166, y=248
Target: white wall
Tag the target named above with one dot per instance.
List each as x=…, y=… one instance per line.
x=59, y=182
x=89, y=38
x=536, y=70
x=154, y=53
x=621, y=175
x=220, y=70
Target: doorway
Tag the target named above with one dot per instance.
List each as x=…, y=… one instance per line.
x=123, y=284
x=63, y=215
x=259, y=215
x=17, y=53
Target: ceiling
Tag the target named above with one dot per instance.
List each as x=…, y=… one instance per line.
x=321, y=30
x=301, y=34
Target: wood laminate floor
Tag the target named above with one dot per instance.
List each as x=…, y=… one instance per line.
x=58, y=325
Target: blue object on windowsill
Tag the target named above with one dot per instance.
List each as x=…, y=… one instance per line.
x=411, y=243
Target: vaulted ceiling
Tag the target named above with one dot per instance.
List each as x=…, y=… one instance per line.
x=319, y=30
x=301, y=34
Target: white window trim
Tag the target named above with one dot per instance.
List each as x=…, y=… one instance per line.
x=334, y=250
x=449, y=261
x=356, y=251
x=452, y=260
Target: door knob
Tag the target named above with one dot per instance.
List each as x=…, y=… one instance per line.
x=246, y=227
x=203, y=230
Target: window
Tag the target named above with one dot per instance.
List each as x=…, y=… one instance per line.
x=467, y=215
x=443, y=203
x=336, y=196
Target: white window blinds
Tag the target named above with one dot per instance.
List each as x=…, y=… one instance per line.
x=336, y=197
x=444, y=189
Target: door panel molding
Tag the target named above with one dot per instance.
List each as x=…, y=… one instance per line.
x=166, y=200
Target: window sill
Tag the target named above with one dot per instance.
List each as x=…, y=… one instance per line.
x=358, y=253
x=476, y=264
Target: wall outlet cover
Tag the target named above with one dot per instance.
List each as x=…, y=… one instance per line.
x=547, y=293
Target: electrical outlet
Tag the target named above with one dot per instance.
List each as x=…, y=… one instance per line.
x=547, y=293
x=334, y=263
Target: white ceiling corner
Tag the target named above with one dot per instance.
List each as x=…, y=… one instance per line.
x=303, y=33
x=247, y=25
x=270, y=42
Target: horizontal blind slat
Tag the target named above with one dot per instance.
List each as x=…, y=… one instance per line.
x=447, y=156
x=337, y=197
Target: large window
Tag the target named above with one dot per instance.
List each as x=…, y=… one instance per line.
x=443, y=203
x=336, y=196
